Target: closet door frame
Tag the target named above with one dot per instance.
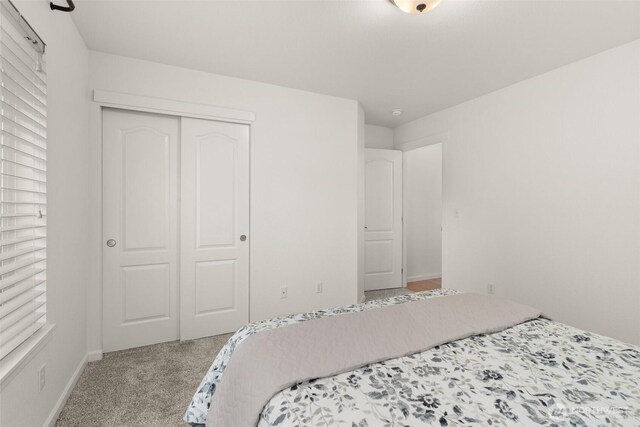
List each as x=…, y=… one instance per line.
x=132, y=102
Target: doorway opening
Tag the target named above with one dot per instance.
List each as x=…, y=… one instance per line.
x=422, y=212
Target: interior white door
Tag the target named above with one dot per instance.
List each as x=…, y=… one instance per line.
x=214, y=291
x=383, y=219
x=140, y=219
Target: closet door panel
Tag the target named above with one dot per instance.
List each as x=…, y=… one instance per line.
x=216, y=190
x=140, y=226
x=214, y=226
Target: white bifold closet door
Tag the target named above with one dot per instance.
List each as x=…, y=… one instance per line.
x=175, y=228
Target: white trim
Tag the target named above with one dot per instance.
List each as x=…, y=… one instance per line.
x=13, y=363
x=405, y=269
x=171, y=107
x=55, y=412
x=424, y=141
x=94, y=356
x=424, y=277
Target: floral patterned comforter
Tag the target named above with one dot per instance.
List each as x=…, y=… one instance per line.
x=539, y=372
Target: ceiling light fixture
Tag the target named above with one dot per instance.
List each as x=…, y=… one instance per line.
x=397, y=112
x=416, y=6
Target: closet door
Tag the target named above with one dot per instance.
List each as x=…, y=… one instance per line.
x=140, y=226
x=214, y=275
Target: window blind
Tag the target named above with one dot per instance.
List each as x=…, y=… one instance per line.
x=23, y=181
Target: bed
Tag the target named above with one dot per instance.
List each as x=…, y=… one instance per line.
x=537, y=372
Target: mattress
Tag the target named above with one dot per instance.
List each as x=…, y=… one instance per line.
x=539, y=372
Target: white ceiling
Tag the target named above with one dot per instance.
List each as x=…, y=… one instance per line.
x=366, y=50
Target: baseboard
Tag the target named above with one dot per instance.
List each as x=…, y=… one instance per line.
x=424, y=277
x=94, y=356
x=55, y=413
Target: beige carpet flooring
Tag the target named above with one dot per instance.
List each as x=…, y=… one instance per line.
x=148, y=386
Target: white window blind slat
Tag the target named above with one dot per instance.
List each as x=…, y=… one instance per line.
x=10, y=77
x=20, y=73
x=13, y=191
x=21, y=105
x=13, y=35
x=15, y=240
x=15, y=113
x=22, y=131
x=23, y=202
x=11, y=45
x=23, y=144
x=10, y=37
x=20, y=177
x=18, y=290
x=12, y=69
x=19, y=252
x=38, y=322
x=20, y=276
x=23, y=120
x=29, y=295
x=19, y=215
x=20, y=70
x=14, y=266
x=23, y=92
x=22, y=323
x=20, y=227
x=23, y=182
x=25, y=162
x=19, y=204
x=17, y=315
x=10, y=50
x=26, y=97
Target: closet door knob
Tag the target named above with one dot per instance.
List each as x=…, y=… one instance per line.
x=111, y=243
x=243, y=238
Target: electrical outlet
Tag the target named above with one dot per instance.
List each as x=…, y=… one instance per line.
x=318, y=287
x=490, y=288
x=42, y=377
x=283, y=292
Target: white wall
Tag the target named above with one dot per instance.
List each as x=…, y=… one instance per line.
x=68, y=218
x=378, y=137
x=423, y=212
x=545, y=176
x=304, y=182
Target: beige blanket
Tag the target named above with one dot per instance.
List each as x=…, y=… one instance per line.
x=270, y=361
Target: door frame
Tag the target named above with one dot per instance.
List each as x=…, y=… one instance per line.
x=440, y=138
x=132, y=102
